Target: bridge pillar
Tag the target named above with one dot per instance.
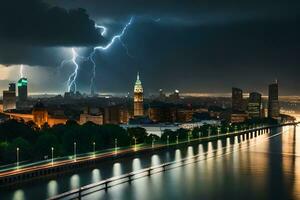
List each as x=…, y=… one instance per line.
x=129, y=178
x=79, y=194
x=106, y=186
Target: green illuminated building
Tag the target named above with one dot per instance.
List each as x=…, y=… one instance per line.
x=22, y=89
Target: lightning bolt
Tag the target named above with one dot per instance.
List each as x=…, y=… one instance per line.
x=104, y=29
x=71, y=83
x=72, y=78
x=21, y=71
x=106, y=47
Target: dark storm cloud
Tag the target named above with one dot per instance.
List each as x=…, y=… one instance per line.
x=186, y=11
x=32, y=32
x=14, y=54
x=191, y=45
x=207, y=58
x=33, y=22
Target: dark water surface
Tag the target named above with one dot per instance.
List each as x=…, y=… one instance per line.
x=264, y=167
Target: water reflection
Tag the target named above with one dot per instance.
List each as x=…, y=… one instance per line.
x=136, y=164
x=255, y=168
x=74, y=181
x=296, y=172
x=200, y=152
x=52, y=188
x=117, y=169
x=96, y=176
x=219, y=148
x=18, y=195
x=177, y=155
x=190, y=151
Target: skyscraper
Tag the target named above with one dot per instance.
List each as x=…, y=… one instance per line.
x=12, y=87
x=22, y=89
x=237, y=100
x=138, y=98
x=273, y=103
x=9, y=98
x=254, y=105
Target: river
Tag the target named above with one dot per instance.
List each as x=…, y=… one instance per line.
x=263, y=167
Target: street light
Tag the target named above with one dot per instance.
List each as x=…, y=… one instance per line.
x=52, y=149
x=75, y=151
x=116, y=145
x=152, y=141
x=177, y=139
x=134, y=143
x=94, y=148
x=168, y=139
x=18, y=157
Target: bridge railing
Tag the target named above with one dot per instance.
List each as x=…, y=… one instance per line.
x=107, y=183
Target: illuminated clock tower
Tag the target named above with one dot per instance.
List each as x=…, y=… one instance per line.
x=138, y=98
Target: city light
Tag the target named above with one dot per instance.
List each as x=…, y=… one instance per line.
x=74, y=151
x=161, y=100
x=52, y=150
x=94, y=149
x=18, y=157
x=116, y=145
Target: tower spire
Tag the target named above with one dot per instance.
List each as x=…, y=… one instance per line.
x=138, y=76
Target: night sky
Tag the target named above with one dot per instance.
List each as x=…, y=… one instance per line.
x=199, y=46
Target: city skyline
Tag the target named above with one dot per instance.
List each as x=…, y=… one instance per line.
x=160, y=99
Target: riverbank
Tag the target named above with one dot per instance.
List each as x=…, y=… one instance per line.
x=19, y=176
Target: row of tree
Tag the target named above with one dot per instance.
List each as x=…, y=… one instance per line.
x=35, y=143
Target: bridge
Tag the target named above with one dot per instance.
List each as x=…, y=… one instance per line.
x=47, y=168
x=128, y=177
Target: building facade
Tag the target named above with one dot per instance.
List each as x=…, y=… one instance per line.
x=273, y=101
x=40, y=114
x=254, y=105
x=96, y=119
x=22, y=89
x=12, y=87
x=9, y=100
x=138, y=106
x=237, y=100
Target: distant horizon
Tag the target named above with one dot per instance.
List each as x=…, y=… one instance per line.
x=122, y=94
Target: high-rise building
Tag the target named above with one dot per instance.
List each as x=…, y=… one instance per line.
x=22, y=89
x=175, y=97
x=9, y=100
x=161, y=95
x=254, y=105
x=138, y=107
x=273, y=103
x=116, y=114
x=12, y=87
x=237, y=100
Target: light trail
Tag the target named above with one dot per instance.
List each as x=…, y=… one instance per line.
x=106, y=47
x=71, y=83
x=72, y=78
x=21, y=71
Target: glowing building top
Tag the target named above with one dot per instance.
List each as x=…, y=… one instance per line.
x=138, y=88
x=138, y=98
x=22, y=89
